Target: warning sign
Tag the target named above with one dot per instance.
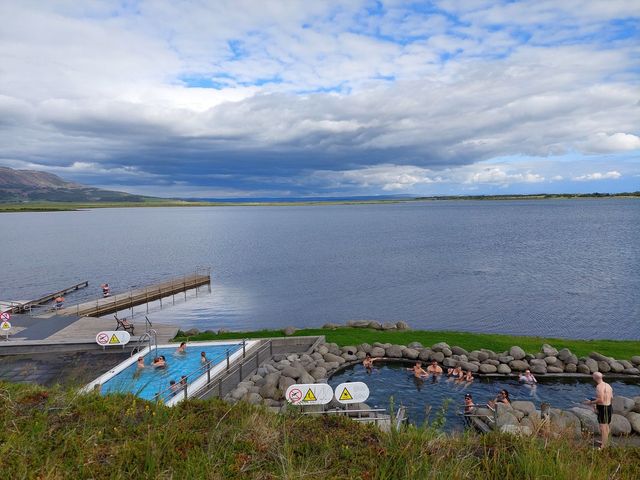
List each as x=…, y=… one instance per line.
x=5, y=326
x=309, y=394
x=345, y=395
x=5, y=316
x=310, y=397
x=112, y=338
x=352, y=392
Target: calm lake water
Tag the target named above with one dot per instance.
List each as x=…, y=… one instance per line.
x=567, y=268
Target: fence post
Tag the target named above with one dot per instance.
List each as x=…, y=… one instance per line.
x=208, y=373
x=241, y=371
x=227, y=360
x=244, y=351
x=185, y=392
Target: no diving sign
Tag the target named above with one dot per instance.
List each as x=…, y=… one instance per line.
x=309, y=394
x=352, y=392
x=112, y=339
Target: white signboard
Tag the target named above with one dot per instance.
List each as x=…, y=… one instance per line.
x=352, y=392
x=112, y=339
x=5, y=326
x=309, y=394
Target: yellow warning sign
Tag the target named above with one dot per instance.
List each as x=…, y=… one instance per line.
x=309, y=397
x=345, y=395
x=114, y=339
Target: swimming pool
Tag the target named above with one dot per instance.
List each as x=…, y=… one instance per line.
x=393, y=380
x=148, y=382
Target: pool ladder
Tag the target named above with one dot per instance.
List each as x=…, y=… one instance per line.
x=150, y=336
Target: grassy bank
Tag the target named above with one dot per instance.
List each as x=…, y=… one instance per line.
x=52, y=434
x=620, y=349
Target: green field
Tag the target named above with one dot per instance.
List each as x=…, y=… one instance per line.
x=58, y=434
x=619, y=349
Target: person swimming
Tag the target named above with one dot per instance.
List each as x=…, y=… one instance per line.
x=203, y=358
x=159, y=362
x=140, y=363
x=368, y=361
x=469, y=376
x=434, y=368
x=528, y=377
x=182, y=348
x=418, y=371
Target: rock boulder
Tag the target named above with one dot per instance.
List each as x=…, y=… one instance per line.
x=517, y=353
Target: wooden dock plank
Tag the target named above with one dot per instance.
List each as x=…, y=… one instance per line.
x=21, y=307
x=133, y=298
x=85, y=329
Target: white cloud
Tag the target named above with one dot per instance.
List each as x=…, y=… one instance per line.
x=612, y=175
x=616, y=142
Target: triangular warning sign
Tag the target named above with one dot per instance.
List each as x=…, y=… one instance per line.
x=345, y=395
x=309, y=397
x=114, y=339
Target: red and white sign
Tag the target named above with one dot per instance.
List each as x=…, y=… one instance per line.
x=112, y=338
x=5, y=316
x=309, y=394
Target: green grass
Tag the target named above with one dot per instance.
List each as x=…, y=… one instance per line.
x=620, y=349
x=57, y=434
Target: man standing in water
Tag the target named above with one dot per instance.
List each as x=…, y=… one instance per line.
x=604, y=396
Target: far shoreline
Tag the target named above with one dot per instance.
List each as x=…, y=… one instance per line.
x=79, y=206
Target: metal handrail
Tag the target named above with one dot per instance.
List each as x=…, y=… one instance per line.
x=218, y=383
x=149, y=334
x=168, y=393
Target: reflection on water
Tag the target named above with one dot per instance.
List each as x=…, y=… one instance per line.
x=424, y=398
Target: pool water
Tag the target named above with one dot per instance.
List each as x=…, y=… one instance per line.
x=146, y=383
x=393, y=380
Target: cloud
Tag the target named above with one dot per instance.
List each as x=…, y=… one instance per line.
x=225, y=96
x=612, y=175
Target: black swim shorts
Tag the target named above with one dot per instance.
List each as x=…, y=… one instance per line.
x=604, y=414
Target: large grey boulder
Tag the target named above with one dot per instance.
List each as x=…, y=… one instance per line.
x=468, y=366
x=635, y=360
x=519, y=365
x=253, y=398
x=518, y=430
x=636, y=407
x=619, y=425
x=318, y=373
x=588, y=419
x=447, y=352
x=603, y=366
x=415, y=345
x=492, y=355
x=330, y=357
x=550, y=360
x=349, y=358
x=285, y=382
x=388, y=326
x=598, y=357
x=626, y=363
x=505, y=417
x=439, y=346
x=487, y=368
x=504, y=369
x=566, y=421
x=375, y=325
x=402, y=325
x=358, y=323
x=394, y=351
x=410, y=353
x=437, y=356
x=554, y=369
x=571, y=368
x=450, y=362
x=306, y=378
x=482, y=356
x=548, y=350
x=377, y=352
x=351, y=350
x=539, y=369
x=517, y=353
x=270, y=391
x=634, y=421
x=622, y=405
x=631, y=371
x=292, y=372
x=459, y=351
x=524, y=406
x=564, y=355
x=582, y=368
x=322, y=349
x=616, y=367
x=272, y=379
x=592, y=364
x=505, y=358
x=491, y=361
x=425, y=354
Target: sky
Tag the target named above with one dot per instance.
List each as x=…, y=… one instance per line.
x=287, y=98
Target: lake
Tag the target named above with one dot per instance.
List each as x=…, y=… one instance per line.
x=566, y=268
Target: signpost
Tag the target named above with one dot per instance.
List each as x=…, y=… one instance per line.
x=309, y=394
x=112, y=338
x=352, y=392
x=5, y=326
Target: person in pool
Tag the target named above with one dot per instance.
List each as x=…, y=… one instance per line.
x=528, y=377
x=182, y=348
x=203, y=358
x=502, y=397
x=434, y=368
x=368, y=361
x=174, y=387
x=140, y=363
x=469, y=406
x=418, y=371
x=159, y=362
x=469, y=376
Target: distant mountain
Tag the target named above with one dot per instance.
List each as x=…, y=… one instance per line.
x=35, y=186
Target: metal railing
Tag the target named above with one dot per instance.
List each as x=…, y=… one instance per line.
x=149, y=335
x=182, y=387
x=236, y=374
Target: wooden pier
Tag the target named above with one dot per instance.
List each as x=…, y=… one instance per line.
x=22, y=307
x=134, y=298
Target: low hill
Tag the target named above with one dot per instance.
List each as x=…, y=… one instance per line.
x=35, y=186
